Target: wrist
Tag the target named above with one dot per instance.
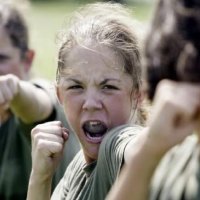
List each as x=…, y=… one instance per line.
x=36, y=178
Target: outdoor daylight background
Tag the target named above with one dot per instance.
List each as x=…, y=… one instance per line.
x=46, y=17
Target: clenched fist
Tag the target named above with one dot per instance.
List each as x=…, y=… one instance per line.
x=9, y=86
x=47, y=147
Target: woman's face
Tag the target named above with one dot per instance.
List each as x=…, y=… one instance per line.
x=95, y=94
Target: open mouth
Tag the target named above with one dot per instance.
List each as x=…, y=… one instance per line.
x=95, y=130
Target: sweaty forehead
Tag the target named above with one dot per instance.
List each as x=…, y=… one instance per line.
x=93, y=55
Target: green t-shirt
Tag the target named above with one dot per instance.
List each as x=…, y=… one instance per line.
x=178, y=175
x=93, y=182
x=15, y=155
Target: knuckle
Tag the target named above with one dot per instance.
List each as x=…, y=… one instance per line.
x=41, y=144
x=35, y=130
x=59, y=147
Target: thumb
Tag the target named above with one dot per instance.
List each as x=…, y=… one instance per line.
x=65, y=133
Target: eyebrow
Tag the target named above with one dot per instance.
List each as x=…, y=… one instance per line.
x=72, y=79
x=108, y=79
x=101, y=83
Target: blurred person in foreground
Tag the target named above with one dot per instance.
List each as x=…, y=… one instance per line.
x=166, y=163
x=23, y=104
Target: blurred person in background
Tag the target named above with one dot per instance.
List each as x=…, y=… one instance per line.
x=23, y=104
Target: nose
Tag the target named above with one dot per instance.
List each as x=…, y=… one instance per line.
x=92, y=101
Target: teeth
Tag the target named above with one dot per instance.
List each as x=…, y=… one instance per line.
x=94, y=123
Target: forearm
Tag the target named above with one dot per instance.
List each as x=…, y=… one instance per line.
x=48, y=140
x=39, y=189
x=31, y=104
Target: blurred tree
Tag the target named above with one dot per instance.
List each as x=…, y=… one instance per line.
x=117, y=1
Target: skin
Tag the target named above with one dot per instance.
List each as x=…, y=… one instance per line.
x=88, y=90
x=16, y=94
x=171, y=122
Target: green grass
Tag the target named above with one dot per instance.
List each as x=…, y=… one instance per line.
x=45, y=20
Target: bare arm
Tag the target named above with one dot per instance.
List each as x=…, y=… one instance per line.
x=39, y=189
x=173, y=119
x=29, y=103
x=48, y=141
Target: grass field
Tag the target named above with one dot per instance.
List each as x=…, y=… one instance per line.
x=45, y=20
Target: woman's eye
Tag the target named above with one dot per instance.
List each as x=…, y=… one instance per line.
x=73, y=87
x=110, y=87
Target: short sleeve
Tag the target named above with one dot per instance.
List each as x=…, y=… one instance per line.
x=111, y=159
x=113, y=147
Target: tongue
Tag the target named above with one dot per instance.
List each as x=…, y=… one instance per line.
x=95, y=130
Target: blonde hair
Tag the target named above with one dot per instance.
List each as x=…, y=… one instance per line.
x=108, y=24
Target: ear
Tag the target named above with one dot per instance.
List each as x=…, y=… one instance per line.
x=59, y=94
x=138, y=97
x=28, y=60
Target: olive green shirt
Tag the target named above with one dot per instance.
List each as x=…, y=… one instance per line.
x=93, y=182
x=178, y=174
x=15, y=155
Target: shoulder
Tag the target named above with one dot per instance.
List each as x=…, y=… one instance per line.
x=111, y=153
x=119, y=136
x=114, y=144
